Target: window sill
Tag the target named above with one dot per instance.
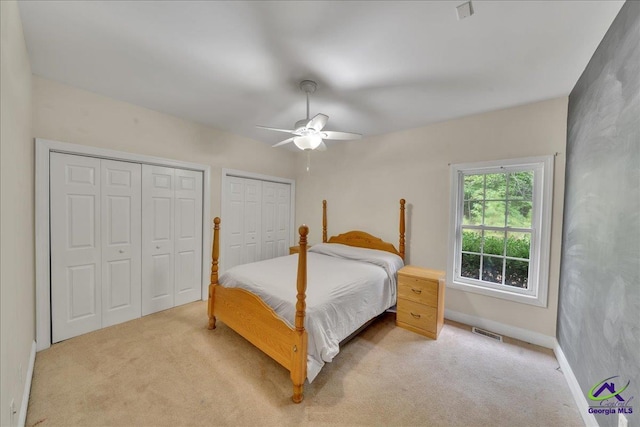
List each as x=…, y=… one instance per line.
x=536, y=300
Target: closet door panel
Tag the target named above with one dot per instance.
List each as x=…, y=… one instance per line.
x=275, y=219
x=269, y=220
x=252, y=221
x=258, y=220
x=76, y=265
x=234, y=224
x=157, y=238
x=283, y=214
x=188, y=236
x=121, y=245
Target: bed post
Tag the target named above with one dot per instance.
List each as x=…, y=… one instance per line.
x=401, y=245
x=215, y=252
x=324, y=221
x=299, y=365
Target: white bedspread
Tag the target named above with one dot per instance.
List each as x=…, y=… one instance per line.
x=346, y=287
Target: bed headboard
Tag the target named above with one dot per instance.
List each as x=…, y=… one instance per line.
x=361, y=239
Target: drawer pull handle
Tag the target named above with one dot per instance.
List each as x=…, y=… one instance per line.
x=417, y=291
x=417, y=316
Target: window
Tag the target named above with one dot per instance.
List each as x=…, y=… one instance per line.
x=500, y=233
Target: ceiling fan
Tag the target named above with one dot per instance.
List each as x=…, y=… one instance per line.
x=308, y=133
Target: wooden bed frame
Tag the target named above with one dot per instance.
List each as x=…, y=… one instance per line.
x=250, y=317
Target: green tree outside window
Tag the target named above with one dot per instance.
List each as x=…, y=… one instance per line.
x=496, y=227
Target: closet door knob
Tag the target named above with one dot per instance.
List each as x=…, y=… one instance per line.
x=158, y=247
x=121, y=251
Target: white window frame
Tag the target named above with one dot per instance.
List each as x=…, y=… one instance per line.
x=538, y=280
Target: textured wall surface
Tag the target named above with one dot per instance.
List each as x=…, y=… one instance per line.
x=599, y=307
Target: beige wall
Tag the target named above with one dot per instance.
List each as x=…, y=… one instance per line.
x=17, y=277
x=363, y=181
x=67, y=114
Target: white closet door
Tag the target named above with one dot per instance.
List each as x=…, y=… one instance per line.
x=258, y=220
x=121, y=250
x=157, y=238
x=283, y=213
x=269, y=220
x=75, y=241
x=188, y=236
x=252, y=221
x=276, y=198
x=234, y=223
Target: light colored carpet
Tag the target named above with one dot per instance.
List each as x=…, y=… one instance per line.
x=167, y=369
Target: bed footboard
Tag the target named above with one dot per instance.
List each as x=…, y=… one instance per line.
x=299, y=367
x=250, y=317
x=215, y=253
x=258, y=323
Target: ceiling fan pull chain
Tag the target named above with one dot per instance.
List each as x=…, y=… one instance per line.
x=309, y=161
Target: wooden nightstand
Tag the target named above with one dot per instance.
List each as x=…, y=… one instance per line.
x=421, y=300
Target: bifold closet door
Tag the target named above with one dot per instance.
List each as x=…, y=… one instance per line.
x=158, y=211
x=257, y=226
x=276, y=208
x=252, y=221
x=234, y=225
x=107, y=265
x=171, y=236
x=283, y=218
x=188, y=236
x=121, y=248
x=95, y=243
x=243, y=230
x=76, y=262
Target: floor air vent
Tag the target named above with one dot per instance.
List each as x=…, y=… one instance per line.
x=486, y=334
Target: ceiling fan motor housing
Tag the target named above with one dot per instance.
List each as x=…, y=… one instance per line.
x=301, y=125
x=308, y=86
x=307, y=132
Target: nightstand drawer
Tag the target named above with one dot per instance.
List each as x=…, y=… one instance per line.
x=419, y=290
x=417, y=315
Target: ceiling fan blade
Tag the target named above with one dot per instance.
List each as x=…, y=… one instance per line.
x=321, y=147
x=276, y=129
x=286, y=141
x=340, y=135
x=318, y=122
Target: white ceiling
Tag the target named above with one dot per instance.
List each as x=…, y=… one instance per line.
x=380, y=66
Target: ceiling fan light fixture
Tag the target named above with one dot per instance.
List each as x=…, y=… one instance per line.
x=308, y=142
x=308, y=132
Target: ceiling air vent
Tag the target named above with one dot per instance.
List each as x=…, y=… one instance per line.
x=465, y=10
x=487, y=334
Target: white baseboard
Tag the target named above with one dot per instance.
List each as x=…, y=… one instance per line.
x=501, y=328
x=27, y=387
x=578, y=396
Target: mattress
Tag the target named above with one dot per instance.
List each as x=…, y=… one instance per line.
x=346, y=287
